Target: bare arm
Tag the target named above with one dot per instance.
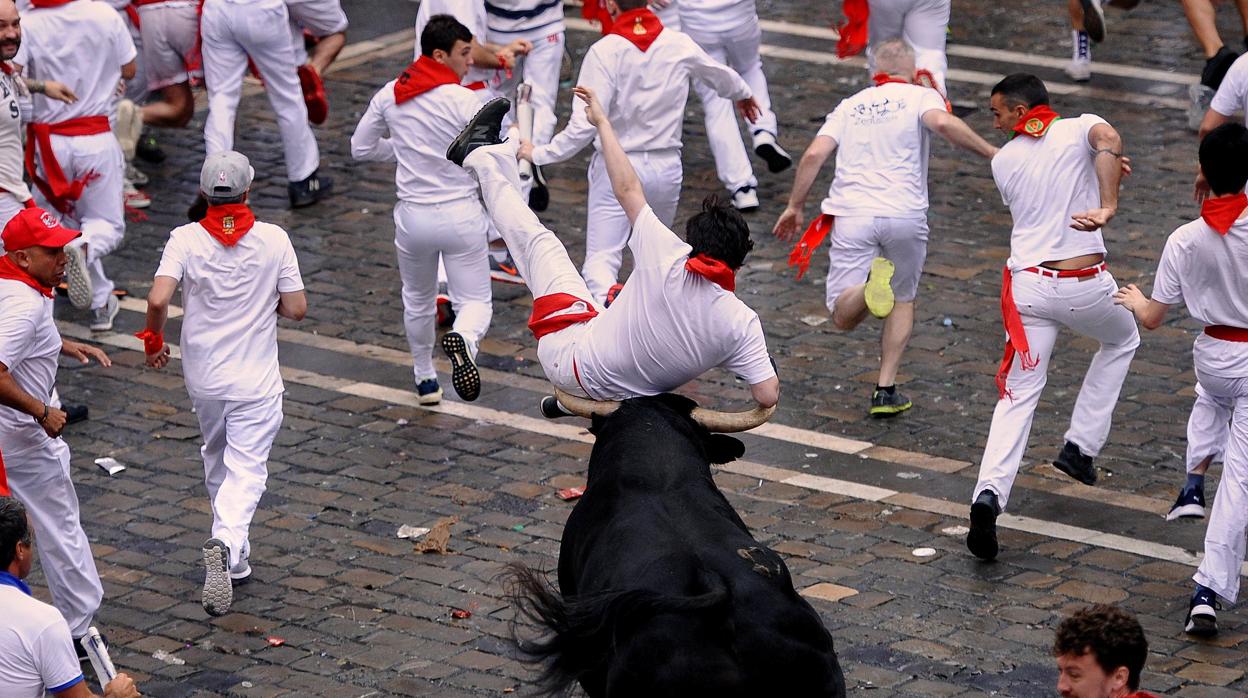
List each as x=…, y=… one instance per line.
x=1149, y=312
x=1108, y=162
x=128, y=70
x=163, y=288
x=122, y=686
x=766, y=393
x=292, y=305
x=624, y=180
x=1212, y=120
x=955, y=130
x=488, y=55
x=12, y=395
x=817, y=153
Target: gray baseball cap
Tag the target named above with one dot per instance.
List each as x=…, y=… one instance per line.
x=227, y=173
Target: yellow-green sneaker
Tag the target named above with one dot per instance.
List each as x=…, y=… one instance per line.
x=886, y=404
x=879, y=291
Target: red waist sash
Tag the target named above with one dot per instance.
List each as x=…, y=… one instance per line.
x=1227, y=333
x=61, y=193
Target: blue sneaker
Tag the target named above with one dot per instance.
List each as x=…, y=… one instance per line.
x=1189, y=505
x=1202, y=617
x=428, y=392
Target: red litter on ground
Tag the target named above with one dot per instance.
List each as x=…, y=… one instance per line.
x=460, y=613
x=571, y=493
x=275, y=641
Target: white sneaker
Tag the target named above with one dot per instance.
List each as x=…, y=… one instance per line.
x=135, y=175
x=1079, y=70
x=132, y=197
x=766, y=147
x=745, y=199
x=102, y=317
x=1202, y=97
x=77, y=276
x=218, y=592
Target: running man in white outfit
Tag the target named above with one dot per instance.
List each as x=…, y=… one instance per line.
x=729, y=31
x=921, y=23
x=677, y=318
x=438, y=214
x=1060, y=179
x=238, y=275
x=640, y=72
x=876, y=209
x=36, y=460
x=71, y=152
x=15, y=106
x=171, y=59
x=326, y=23
x=233, y=31
x=1205, y=266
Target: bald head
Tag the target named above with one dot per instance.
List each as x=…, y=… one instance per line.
x=894, y=57
x=10, y=30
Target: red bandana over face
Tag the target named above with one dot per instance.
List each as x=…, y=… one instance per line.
x=641, y=27
x=10, y=270
x=420, y=77
x=1221, y=212
x=713, y=270
x=228, y=223
x=1036, y=121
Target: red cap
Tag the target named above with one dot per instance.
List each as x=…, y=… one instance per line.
x=35, y=226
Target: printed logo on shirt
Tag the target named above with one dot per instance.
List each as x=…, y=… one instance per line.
x=877, y=112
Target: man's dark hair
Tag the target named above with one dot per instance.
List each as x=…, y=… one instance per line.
x=626, y=5
x=1224, y=158
x=719, y=231
x=1022, y=88
x=442, y=32
x=1113, y=637
x=14, y=529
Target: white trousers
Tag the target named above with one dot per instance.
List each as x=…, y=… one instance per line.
x=1228, y=521
x=237, y=438
x=39, y=477
x=137, y=87
x=921, y=23
x=453, y=232
x=607, y=228
x=232, y=32
x=541, y=258
x=99, y=212
x=736, y=48
x=1047, y=304
x=1208, y=427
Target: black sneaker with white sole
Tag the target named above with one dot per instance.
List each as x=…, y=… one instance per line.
x=482, y=129
x=1190, y=504
x=1202, y=615
x=218, y=592
x=981, y=540
x=1072, y=462
x=309, y=191
x=766, y=147
x=464, y=375
x=551, y=409
x=539, y=195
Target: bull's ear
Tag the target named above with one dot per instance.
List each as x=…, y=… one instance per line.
x=721, y=448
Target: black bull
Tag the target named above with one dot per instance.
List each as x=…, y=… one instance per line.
x=663, y=591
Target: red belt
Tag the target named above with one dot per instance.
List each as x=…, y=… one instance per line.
x=1068, y=273
x=60, y=192
x=1227, y=333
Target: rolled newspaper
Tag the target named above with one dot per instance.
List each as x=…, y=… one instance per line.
x=97, y=652
x=524, y=122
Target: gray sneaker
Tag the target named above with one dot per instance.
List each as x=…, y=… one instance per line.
x=218, y=589
x=102, y=317
x=77, y=276
x=1201, y=96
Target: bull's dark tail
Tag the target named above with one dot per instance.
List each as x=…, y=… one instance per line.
x=582, y=629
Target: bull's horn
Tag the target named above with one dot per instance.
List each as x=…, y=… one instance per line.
x=584, y=407
x=731, y=422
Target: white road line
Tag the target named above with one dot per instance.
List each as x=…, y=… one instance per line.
x=854, y=490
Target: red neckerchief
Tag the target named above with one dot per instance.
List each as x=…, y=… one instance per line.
x=712, y=270
x=9, y=270
x=420, y=77
x=640, y=26
x=854, y=31
x=881, y=78
x=544, y=320
x=810, y=241
x=228, y=223
x=1221, y=212
x=1036, y=121
x=49, y=3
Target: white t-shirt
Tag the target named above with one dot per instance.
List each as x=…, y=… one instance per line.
x=1232, y=95
x=421, y=129
x=36, y=651
x=523, y=17
x=642, y=92
x=29, y=347
x=14, y=109
x=668, y=326
x=230, y=295
x=89, y=62
x=1045, y=181
x=881, y=153
x=1209, y=273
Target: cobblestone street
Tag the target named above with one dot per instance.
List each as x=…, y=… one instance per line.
x=339, y=605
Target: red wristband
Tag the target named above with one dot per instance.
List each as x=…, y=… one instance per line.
x=153, y=342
